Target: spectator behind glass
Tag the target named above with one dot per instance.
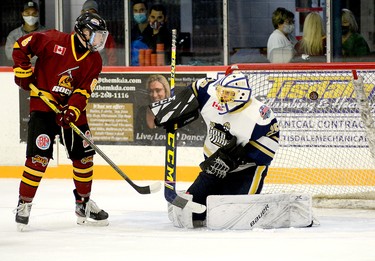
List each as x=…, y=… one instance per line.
x=353, y=44
x=156, y=31
x=108, y=54
x=313, y=42
x=137, y=31
x=30, y=15
x=140, y=19
x=280, y=45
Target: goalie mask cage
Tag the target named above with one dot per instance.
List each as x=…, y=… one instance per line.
x=326, y=132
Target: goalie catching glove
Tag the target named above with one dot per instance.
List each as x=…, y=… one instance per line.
x=224, y=160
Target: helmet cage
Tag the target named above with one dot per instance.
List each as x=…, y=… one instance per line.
x=97, y=28
x=233, y=91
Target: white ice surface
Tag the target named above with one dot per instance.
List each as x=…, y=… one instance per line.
x=139, y=229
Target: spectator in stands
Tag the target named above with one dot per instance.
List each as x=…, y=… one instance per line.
x=156, y=31
x=280, y=45
x=30, y=15
x=140, y=23
x=140, y=19
x=108, y=54
x=313, y=42
x=353, y=44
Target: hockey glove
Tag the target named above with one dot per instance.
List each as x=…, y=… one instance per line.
x=67, y=115
x=179, y=110
x=23, y=78
x=222, y=161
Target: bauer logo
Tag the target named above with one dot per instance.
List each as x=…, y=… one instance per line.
x=259, y=216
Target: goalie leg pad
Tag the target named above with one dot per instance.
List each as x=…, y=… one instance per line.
x=246, y=212
x=182, y=218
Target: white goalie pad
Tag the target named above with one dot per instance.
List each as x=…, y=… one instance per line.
x=247, y=212
x=182, y=218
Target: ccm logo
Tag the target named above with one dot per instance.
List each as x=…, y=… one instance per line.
x=164, y=101
x=170, y=156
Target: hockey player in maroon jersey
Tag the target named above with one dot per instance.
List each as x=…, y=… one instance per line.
x=66, y=71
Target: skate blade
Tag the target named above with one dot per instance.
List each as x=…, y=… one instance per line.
x=21, y=227
x=83, y=221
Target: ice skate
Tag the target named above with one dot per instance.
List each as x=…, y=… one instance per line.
x=22, y=214
x=88, y=213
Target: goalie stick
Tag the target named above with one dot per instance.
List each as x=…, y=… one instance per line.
x=142, y=190
x=170, y=193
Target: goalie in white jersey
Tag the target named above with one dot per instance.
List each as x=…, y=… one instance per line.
x=241, y=141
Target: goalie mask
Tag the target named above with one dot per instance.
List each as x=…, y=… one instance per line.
x=92, y=25
x=233, y=91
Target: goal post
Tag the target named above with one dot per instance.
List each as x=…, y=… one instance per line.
x=326, y=129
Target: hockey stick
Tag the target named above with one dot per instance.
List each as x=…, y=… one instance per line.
x=142, y=190
x=171, y=152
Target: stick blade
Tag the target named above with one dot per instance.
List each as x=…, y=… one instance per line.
x=155, y=187
x=196, y=207
x=185, y=203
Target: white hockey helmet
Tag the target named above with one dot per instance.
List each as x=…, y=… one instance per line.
x=233, y=91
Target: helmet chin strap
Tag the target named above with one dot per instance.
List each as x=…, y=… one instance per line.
x=83, y=42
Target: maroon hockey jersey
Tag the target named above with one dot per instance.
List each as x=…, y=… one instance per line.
x=63, y=75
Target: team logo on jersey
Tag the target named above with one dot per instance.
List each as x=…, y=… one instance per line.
x=226, y=126
x=265, y=112
x=43, y=142
x=64, y=86
x=217, y=134
x=59, y=49
x=41, y=160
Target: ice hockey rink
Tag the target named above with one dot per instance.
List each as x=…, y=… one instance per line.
x=139, y=229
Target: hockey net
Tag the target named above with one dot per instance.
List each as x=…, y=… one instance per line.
x=326, y=130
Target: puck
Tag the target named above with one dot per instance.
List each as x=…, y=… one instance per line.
x=313, y=95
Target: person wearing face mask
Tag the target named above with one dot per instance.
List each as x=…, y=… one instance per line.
x=280, y=45
x=157, y=31
x=30, y=15
x=137, y=30
x=140, y=20
x=353, y=44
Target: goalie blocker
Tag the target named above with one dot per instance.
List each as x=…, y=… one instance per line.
x=246, y=212
x=180, y=109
